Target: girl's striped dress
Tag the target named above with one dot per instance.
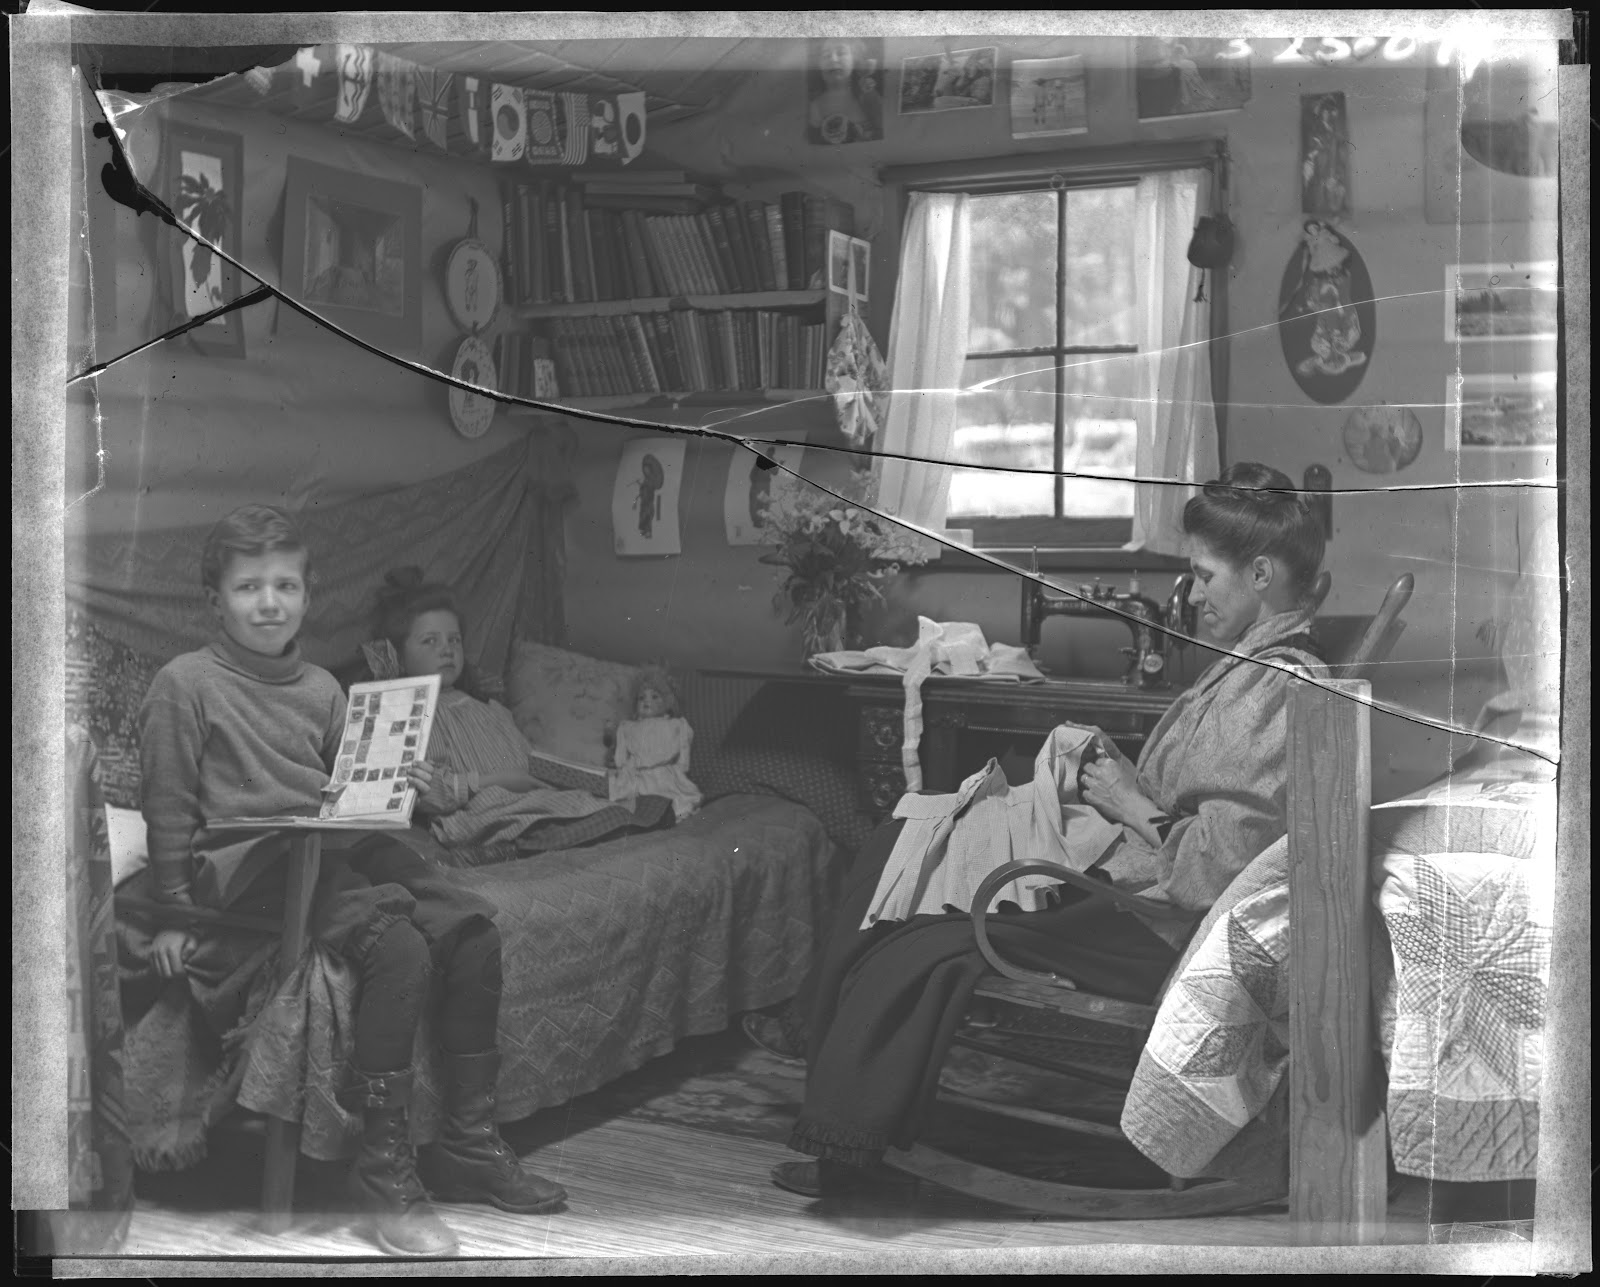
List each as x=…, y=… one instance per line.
x=470, y=736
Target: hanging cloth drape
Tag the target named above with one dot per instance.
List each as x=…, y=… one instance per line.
x=927, y=350
x=1177, y=420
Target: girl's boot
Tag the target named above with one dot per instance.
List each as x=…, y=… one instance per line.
x=383, y=1180
x=471, y=1163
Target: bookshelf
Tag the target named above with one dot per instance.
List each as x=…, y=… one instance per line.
x=650, y=289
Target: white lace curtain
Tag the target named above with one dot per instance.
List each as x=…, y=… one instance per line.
x=927, y=350
x=1177, y=420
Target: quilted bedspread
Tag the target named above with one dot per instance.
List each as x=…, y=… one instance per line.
x=1463, y=876
x=612, y=954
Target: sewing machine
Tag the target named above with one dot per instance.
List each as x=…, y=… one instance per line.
x=1151, y=649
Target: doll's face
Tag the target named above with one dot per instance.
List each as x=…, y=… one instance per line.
x=835, y=61
x=434, y=648
x=651, y=704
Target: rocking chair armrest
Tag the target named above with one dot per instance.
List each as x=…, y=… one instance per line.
x=1003, y=875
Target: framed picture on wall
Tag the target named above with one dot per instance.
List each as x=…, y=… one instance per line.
x=1189, y=77
x=644, y=503
x=1500, y=302
x=204, y=187
x=750, y=488
x=1501, y=412
x=1490, y=143
x=352, y=252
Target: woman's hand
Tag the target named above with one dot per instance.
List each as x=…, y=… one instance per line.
x=171, y=950
x=1112, y=792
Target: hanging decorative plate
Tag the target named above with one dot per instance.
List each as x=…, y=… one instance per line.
x=472, y=285
x=1326, y=318
x=1382, y=440
x=471, y=413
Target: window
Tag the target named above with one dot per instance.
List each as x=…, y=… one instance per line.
x=1051, y=343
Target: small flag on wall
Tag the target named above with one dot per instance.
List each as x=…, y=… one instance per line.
x=544, y=148
x=507, y=112
x=575, y=129
x=630, y=122
x=397, y=92
x=308, y=74
x=355, y=65
x=471, y=101
x=433, y=104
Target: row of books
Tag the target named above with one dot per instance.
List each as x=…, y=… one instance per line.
x=578, y=243
x=684, y=351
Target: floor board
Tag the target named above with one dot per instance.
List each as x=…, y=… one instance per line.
x=661, y=1190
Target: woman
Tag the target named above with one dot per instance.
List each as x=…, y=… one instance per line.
x=1206, y=797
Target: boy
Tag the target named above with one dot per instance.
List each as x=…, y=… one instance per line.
x=246, y=727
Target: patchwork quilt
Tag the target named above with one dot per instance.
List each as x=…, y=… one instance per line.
x=1462, y=876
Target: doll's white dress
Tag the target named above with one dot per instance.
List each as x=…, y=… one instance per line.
x=653, y=759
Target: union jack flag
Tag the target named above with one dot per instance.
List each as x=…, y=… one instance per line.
x=433, y=103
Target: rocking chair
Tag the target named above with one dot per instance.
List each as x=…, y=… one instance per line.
x=1043, y=1021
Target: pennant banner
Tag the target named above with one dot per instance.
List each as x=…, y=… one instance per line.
x=471, y=100
x=507, y=111
x=433, y=105
x=544, y=148
x=355, y=64
x=397, y=92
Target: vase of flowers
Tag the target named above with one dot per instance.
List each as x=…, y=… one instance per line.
x=836, y=555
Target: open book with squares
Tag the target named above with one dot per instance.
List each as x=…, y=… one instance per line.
x=386, y=730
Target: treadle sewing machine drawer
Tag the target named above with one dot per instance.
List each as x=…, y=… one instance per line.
x=958, y=715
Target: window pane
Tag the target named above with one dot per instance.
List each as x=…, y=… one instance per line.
x=1100, y=436
x=1011, y=424
x=1013, y=271
x=1097, y=291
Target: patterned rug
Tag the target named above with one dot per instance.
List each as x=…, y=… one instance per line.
x=724, y=1085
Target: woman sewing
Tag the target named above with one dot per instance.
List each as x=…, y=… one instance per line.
x=1207, y=796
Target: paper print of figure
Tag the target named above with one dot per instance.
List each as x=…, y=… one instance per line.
x=846, y=97
x=652, y=479
x=1325, y=155
x=1325, y=314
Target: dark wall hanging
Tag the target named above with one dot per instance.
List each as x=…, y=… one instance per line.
x=1326, y=318
x=204, y=187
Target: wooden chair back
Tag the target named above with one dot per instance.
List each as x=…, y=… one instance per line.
x=1381, y=634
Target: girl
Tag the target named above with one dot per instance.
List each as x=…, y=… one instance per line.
x=652, y=753
x=474, y=788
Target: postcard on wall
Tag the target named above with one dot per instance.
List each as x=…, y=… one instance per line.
x=751, y=487
x=844, y=91
x=945, y=82
x=838, y=262
x=1049, y=96
x=644, y=506
x=1324, y=155
x=1500, y=302
x=386, y=730
x=860, y=268
x=1501, y=412
x=1190, y=76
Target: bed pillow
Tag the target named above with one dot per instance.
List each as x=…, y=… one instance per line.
x=568, y=705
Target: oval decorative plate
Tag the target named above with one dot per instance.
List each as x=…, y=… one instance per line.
x=472, y=285
x=1382, y=440
x=1326, y=318
x=471, y=413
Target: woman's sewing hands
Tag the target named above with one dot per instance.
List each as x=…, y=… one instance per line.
x=1113, y=793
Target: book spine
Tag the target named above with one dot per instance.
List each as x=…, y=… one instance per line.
x=727, y=265
x=616, y=251
x=622, y=373
x=682, y=329
x=583, y=356
x=689, y=254
x=649, y=361
x=552, y=244
x=755, y=221
x=793, y=206
x=717, y=253
x=566, y=369
x=533, y=240
x=672, y=369
x=572, y=208
x=816, y=243
x=666, y=227
x=744, y=262
x=705, y=249
x=599, y=265
x=645, y=278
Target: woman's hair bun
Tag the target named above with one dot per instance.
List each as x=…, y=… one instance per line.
x=408, y=578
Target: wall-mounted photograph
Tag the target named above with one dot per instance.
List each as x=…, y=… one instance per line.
x=1324, y=155
x=750, y=488
x=1490, y=142
x=353, y=252
x=205, y=189
x=644, y=503
x=1501, y=412
x=844, y=91
x=1500, y=302
x=1049, y=96
x=1189, y=77
x=947, y=82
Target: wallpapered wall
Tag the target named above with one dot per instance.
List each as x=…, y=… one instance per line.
x=710, y=604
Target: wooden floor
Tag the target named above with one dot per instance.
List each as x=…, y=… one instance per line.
x=657, y=1190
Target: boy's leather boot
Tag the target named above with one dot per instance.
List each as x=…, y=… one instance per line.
x=383, y=1180
x=471, y=1163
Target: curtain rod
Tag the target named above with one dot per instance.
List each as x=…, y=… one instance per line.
x=1076, y=165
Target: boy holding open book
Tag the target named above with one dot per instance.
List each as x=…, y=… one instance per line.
x=247, y=729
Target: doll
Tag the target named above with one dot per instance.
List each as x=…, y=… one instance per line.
x=652, y=750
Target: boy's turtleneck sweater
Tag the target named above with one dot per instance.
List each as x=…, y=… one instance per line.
x=226, y=732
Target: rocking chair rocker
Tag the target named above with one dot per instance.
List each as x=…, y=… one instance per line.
x=1043, y=1021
